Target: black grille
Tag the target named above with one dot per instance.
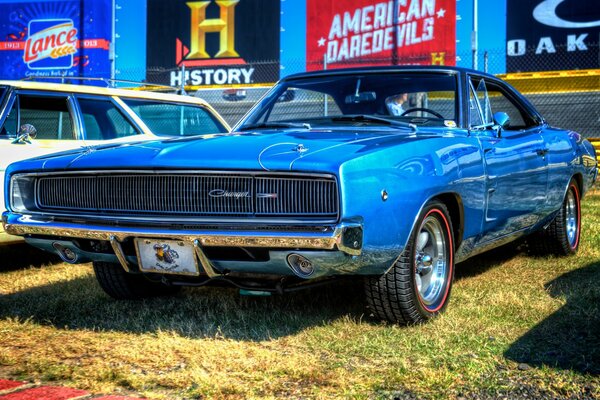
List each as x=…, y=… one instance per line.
x=188, y=195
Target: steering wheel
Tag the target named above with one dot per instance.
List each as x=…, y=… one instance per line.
x=427, y=110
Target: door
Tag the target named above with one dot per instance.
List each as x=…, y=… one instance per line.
x=50, y=115
x=515, y=160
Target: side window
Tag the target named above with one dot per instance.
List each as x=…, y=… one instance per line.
x=175, y=119
x=10, y=123
x=480, y=111
x=501, y=102
x=102, y=120
x=48, y=114
x=475, y=118
x=484, y=102
x=487, y=98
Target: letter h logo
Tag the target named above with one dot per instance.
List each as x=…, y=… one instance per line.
x=224, y=25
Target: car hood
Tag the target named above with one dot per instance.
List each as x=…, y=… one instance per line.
x=289, y=150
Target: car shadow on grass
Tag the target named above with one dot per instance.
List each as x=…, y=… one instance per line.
x=195, y=312
x=570, y=338
x=203, y=312
x=21, y=255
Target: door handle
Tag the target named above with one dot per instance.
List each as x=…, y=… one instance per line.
x=542, y=152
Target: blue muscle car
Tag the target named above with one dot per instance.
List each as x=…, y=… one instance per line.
x=391, y=174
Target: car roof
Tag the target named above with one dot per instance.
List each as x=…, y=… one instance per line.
x=86, y=89
x=389, y=68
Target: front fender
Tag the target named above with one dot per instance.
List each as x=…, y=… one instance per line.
x=388, y=190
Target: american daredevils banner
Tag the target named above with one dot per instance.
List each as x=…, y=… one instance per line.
x=367, y=32
x=55, y=38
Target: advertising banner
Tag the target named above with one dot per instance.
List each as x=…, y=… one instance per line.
x=552, y=35
x=218, y=42
x=367, y=32
x=55, y=38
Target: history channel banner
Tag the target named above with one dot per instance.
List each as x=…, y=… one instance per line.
x=220, y=42
x=367, y=32
x=552, y=35
x=55, y=38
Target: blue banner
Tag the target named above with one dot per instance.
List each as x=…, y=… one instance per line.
x=55, y=38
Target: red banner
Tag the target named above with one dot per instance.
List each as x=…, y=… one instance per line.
x=362, y=33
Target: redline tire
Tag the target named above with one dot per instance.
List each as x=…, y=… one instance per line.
x=121, y=285
x=418, y=286
x=562, y=236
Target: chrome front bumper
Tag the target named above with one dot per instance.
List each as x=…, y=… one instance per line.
x=345, y=237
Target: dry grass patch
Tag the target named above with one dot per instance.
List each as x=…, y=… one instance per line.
x=516, y=326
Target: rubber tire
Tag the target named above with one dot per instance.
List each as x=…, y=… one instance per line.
x=553, y=239
x=393, y=296
x=121, y=285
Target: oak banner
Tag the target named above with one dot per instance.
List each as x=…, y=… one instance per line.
x=547, y=35
x=363, y=33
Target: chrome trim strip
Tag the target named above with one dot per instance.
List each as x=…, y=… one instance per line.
x=119, y=252
x=17, y=224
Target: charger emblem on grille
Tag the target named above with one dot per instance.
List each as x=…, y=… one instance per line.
x=228, y=193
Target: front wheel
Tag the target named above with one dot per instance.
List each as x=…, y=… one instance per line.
x=562, y=236
x=417, y=287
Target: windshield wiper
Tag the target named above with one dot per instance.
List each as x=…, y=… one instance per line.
x=374, y=118
x=275, y=125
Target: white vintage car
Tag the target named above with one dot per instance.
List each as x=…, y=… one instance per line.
x=40, y=118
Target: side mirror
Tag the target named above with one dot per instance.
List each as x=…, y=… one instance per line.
x=26, y=135
x=501, y=119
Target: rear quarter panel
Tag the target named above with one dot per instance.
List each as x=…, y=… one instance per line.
x=569, y=155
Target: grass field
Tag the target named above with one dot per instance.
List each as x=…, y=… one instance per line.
x=516, y=327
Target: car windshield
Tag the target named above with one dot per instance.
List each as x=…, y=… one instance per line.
x=175, y=119
x=382, y=98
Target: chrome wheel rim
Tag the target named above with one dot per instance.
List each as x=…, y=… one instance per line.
x=571, y=217
x=431, y=262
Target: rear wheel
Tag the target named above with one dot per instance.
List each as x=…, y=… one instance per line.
x=417, y=287
x=562, y=236
x=121, y=285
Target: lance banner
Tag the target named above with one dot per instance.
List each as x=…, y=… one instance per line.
x=552, y=35
x=364, y=32
x=218, y=41
x=55, y=38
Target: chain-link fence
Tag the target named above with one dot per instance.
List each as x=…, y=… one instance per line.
x=567, y=98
